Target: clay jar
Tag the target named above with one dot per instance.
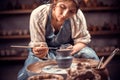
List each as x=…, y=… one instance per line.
x=63, y=58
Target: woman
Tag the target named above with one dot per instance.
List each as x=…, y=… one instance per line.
x=56, y=24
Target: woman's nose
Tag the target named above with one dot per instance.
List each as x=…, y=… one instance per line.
x=65, y=13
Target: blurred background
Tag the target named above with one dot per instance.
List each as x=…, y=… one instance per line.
x=103, y=21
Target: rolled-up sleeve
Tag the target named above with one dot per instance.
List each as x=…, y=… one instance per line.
x=37, y=28
x=79, y=29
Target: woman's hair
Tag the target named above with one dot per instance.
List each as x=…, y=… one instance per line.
x=54, y=2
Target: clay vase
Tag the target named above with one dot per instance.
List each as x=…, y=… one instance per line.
x=63, y=58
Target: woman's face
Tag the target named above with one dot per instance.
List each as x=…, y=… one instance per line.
x=64, y=10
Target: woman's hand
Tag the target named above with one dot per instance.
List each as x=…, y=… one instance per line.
x=40, y=52
x=77, y=47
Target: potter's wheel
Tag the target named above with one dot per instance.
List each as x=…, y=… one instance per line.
x=50, y=66
x=54, y=69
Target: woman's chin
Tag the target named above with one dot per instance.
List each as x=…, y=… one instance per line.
x=60, y=19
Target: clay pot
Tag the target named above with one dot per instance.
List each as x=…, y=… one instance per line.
x=64, y=62
x=63, y=52
x=63, y=58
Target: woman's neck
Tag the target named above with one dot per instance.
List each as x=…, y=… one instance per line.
x=55, y=23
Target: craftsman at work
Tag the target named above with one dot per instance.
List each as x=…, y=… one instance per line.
x=52, y=25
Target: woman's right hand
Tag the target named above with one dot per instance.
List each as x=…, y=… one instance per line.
x=40, y=51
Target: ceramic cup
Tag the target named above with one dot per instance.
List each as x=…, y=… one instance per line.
x=64, y=62
x=63, y=58
x=63, y=52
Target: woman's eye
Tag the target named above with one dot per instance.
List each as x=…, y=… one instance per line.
x=62, y=6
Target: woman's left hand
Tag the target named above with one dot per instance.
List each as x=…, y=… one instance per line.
x=77, y=47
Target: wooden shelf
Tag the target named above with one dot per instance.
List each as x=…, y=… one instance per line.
x=28, y=11
x=100, y=8
x=92, y=33
x=24, y=57
x=105, y=54
x=15, y=37
x=104, y=32
x=13, y=58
